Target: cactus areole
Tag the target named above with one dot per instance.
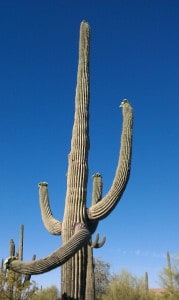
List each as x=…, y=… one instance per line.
x=79, y=222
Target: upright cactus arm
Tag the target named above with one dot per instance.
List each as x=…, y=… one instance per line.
x=56, y=259
x=101, y=209
x=21, y=243
x=96, y=196
x=97, y=188
x=99, y=244
x=11, y=248
x=52, y=225
x=96, y=244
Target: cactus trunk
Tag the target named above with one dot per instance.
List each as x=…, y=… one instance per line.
x=73, y=272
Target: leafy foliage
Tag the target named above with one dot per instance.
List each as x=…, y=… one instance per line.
x=125, y=286
x=50, y=293
x=169, y=280
x=13, y=286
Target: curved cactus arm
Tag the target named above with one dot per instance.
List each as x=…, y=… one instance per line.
x=96, y=244
x=56, y=259
x=52, y=225
x=107, y=204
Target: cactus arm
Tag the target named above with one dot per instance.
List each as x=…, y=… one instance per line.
x=101, y=209
x=96, y=196
x=52, y=225
x=54, y=260
x=21, y=242
x=97, y=188
x=96, y=244
x=11, y=248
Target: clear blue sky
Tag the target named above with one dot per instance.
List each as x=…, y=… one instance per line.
x=134, y=55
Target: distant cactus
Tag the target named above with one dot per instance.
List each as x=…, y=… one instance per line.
x=79, y=222
x=146, y=282
x=14, y=285
x=21, y=243
x=168, y=261
x=11, y=248
x=170, y=272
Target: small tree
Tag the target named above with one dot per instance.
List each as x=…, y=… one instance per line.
x=102, y=276
x=12, y=288
x=176, y=270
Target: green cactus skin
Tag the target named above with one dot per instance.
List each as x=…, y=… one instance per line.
x=79, y=222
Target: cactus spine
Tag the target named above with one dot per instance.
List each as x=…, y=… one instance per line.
x=79, y=222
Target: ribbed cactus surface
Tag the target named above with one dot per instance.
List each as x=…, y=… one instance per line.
x=80, y=222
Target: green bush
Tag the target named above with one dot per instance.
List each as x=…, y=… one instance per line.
x=50, y=293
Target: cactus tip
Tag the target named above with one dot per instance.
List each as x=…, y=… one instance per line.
x=43, y=184
x=123, y=102
x=96, y=175
x=85, y=24
x=8, y=261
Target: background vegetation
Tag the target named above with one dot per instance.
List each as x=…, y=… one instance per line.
x=121, y=286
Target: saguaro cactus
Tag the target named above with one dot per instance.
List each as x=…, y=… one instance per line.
x=79, y=222
x=146, y=283
x=170, y=273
